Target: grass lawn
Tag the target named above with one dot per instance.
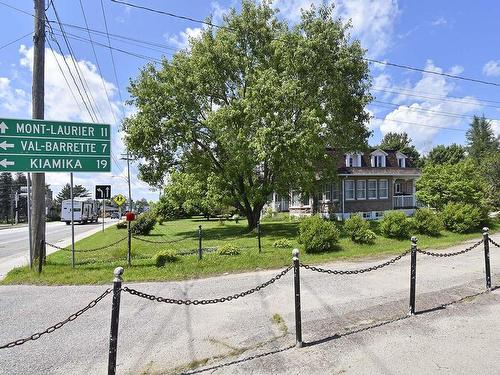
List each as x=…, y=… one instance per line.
x=97, y=267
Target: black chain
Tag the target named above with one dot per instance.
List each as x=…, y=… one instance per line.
x=207, y=301
x=355, y=272
x=159, y=242
x=493, y=242
x=445, y=255
x=87, y=250
x=56, y=326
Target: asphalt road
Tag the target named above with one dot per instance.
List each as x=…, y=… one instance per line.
x=353, y=324
x=14, y=245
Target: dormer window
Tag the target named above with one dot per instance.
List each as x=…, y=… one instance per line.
x=401, y=158
x=378, y=158
x=353, y=160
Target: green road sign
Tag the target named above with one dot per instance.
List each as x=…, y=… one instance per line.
x=54, y=146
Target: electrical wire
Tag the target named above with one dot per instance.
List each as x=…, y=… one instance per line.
x=16, y=40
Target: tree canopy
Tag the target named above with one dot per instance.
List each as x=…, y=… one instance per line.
x=78, y=191
x=446, y=154
x=253, y=105
x=401, y=142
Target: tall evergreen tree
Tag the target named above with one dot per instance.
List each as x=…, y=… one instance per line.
x=78, y=191
x=481, y=140
x=6, y=187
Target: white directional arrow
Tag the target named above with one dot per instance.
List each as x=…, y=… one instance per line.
x=5, y=163
x=3, y=127
x=4, y=145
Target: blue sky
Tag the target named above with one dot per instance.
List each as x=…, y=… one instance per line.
x=456, y=37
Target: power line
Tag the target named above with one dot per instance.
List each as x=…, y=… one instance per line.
x=186, y=18
x=75, y=64
x=475, y=80
x=436, y=98
x=425, y=110
x=419, y=124
x=16, y=40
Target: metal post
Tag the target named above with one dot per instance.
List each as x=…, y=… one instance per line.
x=115, y=317
x=413, y=274
x=28, y=203
x=200, y=249
x=72, y=221
x=129, y=251
x=258, y=235
x=486, y=242
x=103, y=212
x=298, y=318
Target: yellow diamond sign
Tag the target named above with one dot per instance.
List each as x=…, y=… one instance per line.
x=120, y=199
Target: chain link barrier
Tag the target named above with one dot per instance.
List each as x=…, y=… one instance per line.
x=56, y=326
x=157, y=242
x=445, y=255
x=87, y=250
x=493, y=242
x=207, y=301
x=355, y=272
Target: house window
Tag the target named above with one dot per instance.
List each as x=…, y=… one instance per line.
x=353, y=160
x=327, y=192
x=379, y=161
x=305, y=199
x=383, y=191
x=295, y=198
x=372, y=189
x=401, y=162
x=367, y=215
x=379, y=214
x=397, y=188
x=361, y=189
x=335, y=191
x=349, y=190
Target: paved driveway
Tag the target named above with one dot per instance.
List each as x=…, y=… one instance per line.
x=344, y=321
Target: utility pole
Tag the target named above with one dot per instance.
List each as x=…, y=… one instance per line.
x=38, y=103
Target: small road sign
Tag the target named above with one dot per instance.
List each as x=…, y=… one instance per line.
x=103, y=192
x=120, y=199
x=54, y=146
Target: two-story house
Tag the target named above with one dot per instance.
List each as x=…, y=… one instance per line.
x=367, y=183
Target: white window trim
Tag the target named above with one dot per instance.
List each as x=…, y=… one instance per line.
x=387, y=189
x=403, y=162
x=353, y=190
x=358, y=198
x=376, y=190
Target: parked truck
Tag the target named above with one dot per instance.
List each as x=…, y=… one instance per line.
x=85, y=210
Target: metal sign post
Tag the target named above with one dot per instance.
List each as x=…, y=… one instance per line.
x=72, y=222
x=28, y=202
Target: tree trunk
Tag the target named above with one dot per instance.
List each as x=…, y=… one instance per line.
x=253, y=216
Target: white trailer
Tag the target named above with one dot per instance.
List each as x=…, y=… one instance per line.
x=85, y=210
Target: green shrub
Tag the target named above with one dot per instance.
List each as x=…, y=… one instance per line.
x=121, y=225
x=358, y=230
x=165, y=256
x=317, y=234
x=395, y=224
x=143, y=224
x=228, y=249
x=282, y=243
x=426, y=221
x=461, y=218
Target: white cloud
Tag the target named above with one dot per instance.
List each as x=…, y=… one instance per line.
x=12, y=100
x=495, y=124
x=181, y=40
x=372, y=20
x=417, y=115
x=440, y=21
x=492, y=68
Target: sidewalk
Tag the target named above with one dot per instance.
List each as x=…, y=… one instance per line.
x=356, y=324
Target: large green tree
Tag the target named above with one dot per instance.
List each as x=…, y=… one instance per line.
x=446, y=154
x=401, y=142
x=6, y=190
x=78, y=191
x=253, y=104
x=481, y=140
x=452, y=183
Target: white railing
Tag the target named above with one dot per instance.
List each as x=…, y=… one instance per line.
x=404, y=201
